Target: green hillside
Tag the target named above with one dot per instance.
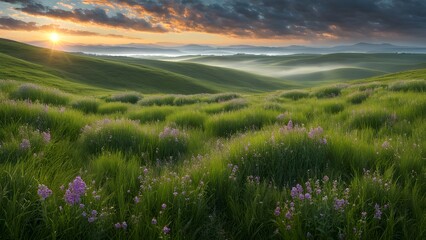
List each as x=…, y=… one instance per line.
x=76, y=73
x=313, y=69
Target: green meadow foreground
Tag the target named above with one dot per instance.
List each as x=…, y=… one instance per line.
x=341, y=161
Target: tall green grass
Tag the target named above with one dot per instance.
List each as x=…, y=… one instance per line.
x=43, y=95
x=128, y=97
x=230, y=123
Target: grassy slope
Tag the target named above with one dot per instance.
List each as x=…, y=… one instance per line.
x=214, y=199
x=111, y=74
x=222, y=78
x=352, y=65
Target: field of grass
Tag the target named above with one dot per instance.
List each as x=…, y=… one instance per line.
x=340, y=161
x=81, y=73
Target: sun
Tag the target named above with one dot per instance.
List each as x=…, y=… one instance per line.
x=54, y=37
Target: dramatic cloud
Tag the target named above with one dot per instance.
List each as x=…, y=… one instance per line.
x=307, y=19
x=95, y=16
x=8, y=23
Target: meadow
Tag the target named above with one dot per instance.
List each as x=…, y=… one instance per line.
x=339, y=161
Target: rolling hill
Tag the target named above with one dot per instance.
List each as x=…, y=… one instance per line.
x=314, y=69
x=82, y=73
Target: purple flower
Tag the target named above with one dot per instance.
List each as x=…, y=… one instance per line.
x=43, y=191
x=94, y=213
x=378, y=212
x=137, y=200
x=46, y=136
x=294, y=192
x=25, y=144
x=91, y=219
x=290, y=125
x=288, y=215
x=339, y=204
x=299, y=188
x=277, y=211
x=307, y=196
x=166, y=230
x=81, y=205
x=124, y=225
x=75, y=189
x=154, y=221
x=117, y=225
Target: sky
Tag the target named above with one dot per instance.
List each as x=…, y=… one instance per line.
x=220, y=22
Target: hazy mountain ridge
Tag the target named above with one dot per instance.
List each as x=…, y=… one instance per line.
x=197, y=49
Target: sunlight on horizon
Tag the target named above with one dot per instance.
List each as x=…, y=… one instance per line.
x=54, y=38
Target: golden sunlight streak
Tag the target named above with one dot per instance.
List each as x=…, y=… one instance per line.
x=54, y=38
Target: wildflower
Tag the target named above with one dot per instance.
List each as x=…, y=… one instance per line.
x=315, y=132
x=91, y=219
x=75, y=189
x=288, y=227
x=294, y=192
x=175, y=193
x=290, y=125
x=25, y=144
x=145, y=171
x=84, y=214
x=46, y=136
x=386, y=145
x=325, y=178
x=62, y=187
x=288, y=215
x=94, y=213
x=81, y=205
x=117, y=225
x=378, y=212
x=277, y=211
x=43, y=191
x=124, y=225
x=307, y=196
x=339, y=204
x=163, y=206
x=137, y=200
x=166, y=230
x=154, y=221
x=61, y=208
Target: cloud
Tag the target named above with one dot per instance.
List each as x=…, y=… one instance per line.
x=8, y=23
x=95, y=16
x=301, y=19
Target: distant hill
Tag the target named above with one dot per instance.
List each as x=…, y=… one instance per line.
x=82, y=73
x=314, y=69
